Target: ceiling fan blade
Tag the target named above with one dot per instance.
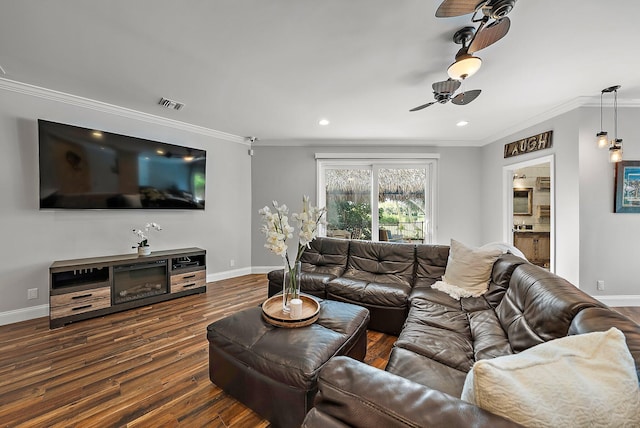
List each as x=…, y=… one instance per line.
x=490, y=34
x=423, y=106
x=448, y=86
x=450, y=8
x=464, y=98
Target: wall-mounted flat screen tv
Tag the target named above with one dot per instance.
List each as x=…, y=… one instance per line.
x=90, y=169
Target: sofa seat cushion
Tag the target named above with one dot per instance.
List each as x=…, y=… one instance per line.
x=426, y=371
x=452, y=335
x=583, y=380
x=370, y=292
x=440, y=333
x=425, y=292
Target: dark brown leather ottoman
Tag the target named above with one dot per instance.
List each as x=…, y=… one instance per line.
x=274, y=370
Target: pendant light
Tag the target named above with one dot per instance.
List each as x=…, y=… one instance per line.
x=601, y=137
x=615, y=151
x=615, y=145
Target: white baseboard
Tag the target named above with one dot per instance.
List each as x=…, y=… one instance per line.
x=9, y=317
x=264, y=269
x=621, y=300
x=218, y=276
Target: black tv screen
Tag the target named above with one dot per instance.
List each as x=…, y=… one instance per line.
x=90, y=169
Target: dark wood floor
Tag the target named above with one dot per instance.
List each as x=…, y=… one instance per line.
x=140, y=368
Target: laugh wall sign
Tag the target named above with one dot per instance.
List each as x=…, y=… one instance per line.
x=529, y=145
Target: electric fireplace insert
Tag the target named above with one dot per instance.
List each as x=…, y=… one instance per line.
x=139, y=281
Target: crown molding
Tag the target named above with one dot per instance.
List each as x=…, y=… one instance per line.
x=608, y=103
x=77, y=101
x=373, y=142
x=535, y=120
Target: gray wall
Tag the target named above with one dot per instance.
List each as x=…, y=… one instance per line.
x=285, y=173
x=608, y=242
x=592, y=243
x=567, y=213
x=32, y=239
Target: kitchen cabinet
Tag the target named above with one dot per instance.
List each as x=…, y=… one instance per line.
x=536, y=246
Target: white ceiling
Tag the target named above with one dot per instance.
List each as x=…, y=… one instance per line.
x=273, y=68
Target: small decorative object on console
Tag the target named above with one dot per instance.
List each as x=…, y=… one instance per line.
x=277, y=230
x=143, y=234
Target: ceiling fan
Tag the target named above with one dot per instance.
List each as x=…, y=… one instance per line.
x=443, y=93
x=494, y=24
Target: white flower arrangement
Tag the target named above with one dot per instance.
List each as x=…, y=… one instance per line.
x=143, y=234
x=277, y=230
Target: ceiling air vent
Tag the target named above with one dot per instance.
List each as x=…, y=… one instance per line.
x=165, y=102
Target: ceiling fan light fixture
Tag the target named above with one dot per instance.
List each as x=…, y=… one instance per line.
x=466, y=65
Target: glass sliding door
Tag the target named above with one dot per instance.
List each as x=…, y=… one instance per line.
x=402, y=212
x=348, y=202
x=378, y=200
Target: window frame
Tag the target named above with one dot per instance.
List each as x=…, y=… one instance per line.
x=374, y=162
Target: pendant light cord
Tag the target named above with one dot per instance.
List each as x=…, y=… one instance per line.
x=615, y=113
x=601, y=93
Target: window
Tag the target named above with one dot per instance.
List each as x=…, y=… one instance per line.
x=378, y=198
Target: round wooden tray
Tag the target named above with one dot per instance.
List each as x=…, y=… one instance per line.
x=273, y=314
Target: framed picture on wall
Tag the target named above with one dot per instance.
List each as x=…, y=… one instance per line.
x=627, y=187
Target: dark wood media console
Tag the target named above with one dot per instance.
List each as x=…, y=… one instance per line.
x=87, y=288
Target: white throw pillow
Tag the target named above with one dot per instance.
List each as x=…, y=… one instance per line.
x=468, y=271
x=576, y=381
x=505, y=248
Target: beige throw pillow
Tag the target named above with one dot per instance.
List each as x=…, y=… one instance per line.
x=576, y=381
x=468, y=271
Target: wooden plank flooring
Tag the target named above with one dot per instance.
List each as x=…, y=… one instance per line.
x=146, y=367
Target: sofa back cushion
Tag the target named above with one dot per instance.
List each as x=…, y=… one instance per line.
x=539, y=306
x=385, y=263
x=326, y=256
x=602, y=319
x=431, y=262
x=500, y=277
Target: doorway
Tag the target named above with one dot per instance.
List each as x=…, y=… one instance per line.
x=529, y=209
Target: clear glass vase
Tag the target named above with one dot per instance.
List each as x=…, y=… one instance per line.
x=290, y=285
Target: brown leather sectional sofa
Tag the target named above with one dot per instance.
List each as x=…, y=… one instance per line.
x=439, y=338
x=377, y=275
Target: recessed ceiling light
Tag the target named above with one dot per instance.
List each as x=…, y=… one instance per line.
x=97, y=134
x=323, y=122
x=462, y=123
